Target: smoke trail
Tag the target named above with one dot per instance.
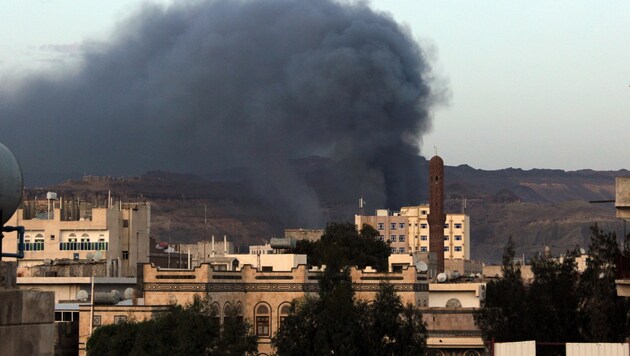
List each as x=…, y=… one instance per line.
x=210, y=85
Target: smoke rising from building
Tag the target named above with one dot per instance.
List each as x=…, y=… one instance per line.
x=206, y=86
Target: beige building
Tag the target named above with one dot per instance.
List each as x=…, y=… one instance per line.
x=408, y=231
x=262, y=295
x=118, y=235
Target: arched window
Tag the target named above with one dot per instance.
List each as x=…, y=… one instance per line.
x=239, y=312
x=227, y=312
x=263, y=319
x=283, y=312
x=216, y=314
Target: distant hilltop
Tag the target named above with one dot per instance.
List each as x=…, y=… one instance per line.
x=538, y=207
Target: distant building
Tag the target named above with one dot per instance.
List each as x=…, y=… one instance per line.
x=408, y=231
x=117, y=235
x=304, y=234
x=201, y=252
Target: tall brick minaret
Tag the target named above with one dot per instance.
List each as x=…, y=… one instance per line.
x=436, y=217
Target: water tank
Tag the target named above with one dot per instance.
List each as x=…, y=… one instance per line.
x=112, y=297
x=11, y=184
x=282, y=243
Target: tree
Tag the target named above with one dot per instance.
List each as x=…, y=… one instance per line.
x=504, y=312
x=192, y=329
x=552, y=301
x=335, y=323
x=342, y=245
x=603, y=315
x=395, y=329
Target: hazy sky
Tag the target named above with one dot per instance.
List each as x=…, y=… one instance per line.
x=532, y=84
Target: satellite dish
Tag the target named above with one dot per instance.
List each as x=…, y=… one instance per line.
x=48, y=261
x=89, y=256
x=82, y=295
x=98, y=255
x=128, y=293
x=582, y=251
x=454, y=275
x=12, y=184
x=421, y=267
x=441, y=277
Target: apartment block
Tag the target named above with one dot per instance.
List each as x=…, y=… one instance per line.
x=408, y=231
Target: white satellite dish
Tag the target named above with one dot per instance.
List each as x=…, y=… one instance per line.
x=128, y=293
x=82, y=295
x=421, y=267
x=12, y=184
x=582, y=251
x=441, y=277
x=98, y=255
x=89, y=256
x=454, y=275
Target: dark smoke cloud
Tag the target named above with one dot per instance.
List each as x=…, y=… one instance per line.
x=205, y=86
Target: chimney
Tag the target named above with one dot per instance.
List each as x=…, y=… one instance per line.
x=436, y=217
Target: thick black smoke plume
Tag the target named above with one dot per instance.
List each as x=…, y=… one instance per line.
x=205, y=86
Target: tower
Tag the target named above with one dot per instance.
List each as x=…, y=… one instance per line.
x=436, y=217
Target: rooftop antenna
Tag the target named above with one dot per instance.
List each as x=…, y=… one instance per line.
x=435, y=147
x=361, y=206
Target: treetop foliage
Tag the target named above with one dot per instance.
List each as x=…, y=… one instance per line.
x=192, y=329
x=560, y=305
x=342, y=245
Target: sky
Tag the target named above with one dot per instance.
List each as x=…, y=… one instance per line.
x=529, y=84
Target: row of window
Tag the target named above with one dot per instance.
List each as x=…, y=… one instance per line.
x=263, y=318
x=84, y=246
x=425, y=249
x=381, y=226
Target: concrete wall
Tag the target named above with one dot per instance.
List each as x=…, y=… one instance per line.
x=470, y=295
x=26, y=317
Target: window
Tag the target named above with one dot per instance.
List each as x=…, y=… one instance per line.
x=445, y=248
x=401, y=238
x=392, y=238
x=381, y=226
x=445, y=237
x=125, y=255
x=96, y=321
x=227, y=312
x=119, y=319
x=423, y=237
x=401, y=250
x=381, y=238
x=458, y=249
x=423, y=249
x=392, y=226
x=125, y=223
x=423, y=226
x=401, y=225
x=262, y=320
x=446, y=226
x=423, y=212
x=458, y=225
x=393, y=249
x=285, y=309
x=216, y=314
x=52, y=237
x=458, y=237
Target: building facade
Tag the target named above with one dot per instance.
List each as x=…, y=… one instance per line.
x=117, y=234
x=408, y=231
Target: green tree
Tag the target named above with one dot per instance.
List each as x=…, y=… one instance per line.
x=192, y=329
x=603, y=315
x=395, y=329
x=504, y=312
x=342, y=245
x=552, y=299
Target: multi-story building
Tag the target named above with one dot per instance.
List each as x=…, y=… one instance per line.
x=408, y=231
x=118, y=235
